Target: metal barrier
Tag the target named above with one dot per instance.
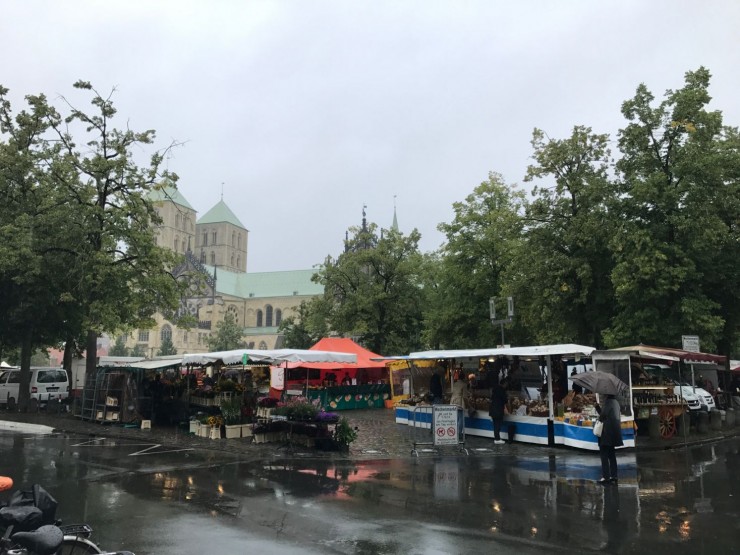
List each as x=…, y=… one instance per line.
x=447, y=427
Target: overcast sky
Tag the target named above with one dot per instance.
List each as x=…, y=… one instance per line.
x=306, y=110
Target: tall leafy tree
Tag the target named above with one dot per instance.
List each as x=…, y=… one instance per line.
x=228, y=335
x=119, y=348
x=36, y=234
x=562, y=273
x=373, y=291
x=167, y=348
x=80, y=246
x=307, y=327
x=124, y=277
x=678, y=244
x=469, y=269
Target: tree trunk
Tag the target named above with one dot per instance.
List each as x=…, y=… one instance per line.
x=24, y=389
x=91, y=354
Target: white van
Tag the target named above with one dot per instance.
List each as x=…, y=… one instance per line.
x=705, y=398
x=45, y=384
x=687, y=392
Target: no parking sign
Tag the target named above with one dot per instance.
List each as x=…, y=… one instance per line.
x=444, y=425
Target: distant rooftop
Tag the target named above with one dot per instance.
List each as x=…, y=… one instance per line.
x=220, y=213
x=266, y=284
x=168, y=193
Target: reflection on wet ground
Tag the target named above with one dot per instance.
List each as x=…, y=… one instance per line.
x=666, y=502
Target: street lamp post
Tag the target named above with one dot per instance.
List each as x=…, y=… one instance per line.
x=509, y=314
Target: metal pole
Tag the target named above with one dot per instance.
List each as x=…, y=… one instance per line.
x=502, y=335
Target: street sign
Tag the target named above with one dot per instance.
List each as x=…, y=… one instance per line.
x=492, y=307
x=690, y=343
x=445, y=424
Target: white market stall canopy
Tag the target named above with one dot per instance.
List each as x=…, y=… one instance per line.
x=275, y=356
x=534, y=351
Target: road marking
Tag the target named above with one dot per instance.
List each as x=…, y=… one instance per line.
x=152, y=448
x=148, y=451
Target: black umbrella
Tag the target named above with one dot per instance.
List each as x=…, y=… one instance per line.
x=601, y=382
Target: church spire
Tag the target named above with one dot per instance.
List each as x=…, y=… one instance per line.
x=394, y=225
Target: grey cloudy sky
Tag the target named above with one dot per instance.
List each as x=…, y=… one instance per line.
x=306, y=110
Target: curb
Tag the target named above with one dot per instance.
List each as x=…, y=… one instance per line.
x=25, y=427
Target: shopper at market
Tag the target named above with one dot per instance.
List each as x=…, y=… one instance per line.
x=460, y=391
x=435, y=387
x=497, y=409
x=610, y=438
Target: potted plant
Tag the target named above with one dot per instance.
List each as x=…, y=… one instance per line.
x=344, y=434
x=231, y=412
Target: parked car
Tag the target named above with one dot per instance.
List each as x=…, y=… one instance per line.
x=45, y=384
x=687, y=392
x=705, y=398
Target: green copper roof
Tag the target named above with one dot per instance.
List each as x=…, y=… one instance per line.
x=220, y=214
x=168, y=193
x=266, y=284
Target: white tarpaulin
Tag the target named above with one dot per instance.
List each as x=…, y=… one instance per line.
x=275, y=356
x=534, y=351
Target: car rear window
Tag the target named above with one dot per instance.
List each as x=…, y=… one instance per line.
x=51, y=376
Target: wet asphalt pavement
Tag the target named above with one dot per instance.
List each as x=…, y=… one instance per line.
x=164, y=491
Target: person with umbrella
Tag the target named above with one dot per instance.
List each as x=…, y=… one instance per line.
x=609, y=385
x=610, y=438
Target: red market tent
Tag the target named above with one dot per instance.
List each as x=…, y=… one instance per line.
x=341, y=345
x=364, y=371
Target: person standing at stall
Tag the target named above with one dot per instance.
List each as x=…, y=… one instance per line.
x=610, y=438
x=435, y=388
x=460, y=391
x=497, y=409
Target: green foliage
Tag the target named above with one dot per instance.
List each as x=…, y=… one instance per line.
x=373, y=290
x=137, y=351
x=306, y=328
x=231, y=410
x=167, y=348
x=119, y=348
x=459, y=281
x=344, y=434
x=677, y=246
x=78, y=241
x=228, y=335
x=298, y=409
x=561, y=275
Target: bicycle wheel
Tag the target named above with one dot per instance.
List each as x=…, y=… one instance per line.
x=78, y=546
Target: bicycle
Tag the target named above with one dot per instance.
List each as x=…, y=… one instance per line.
x=30, y=528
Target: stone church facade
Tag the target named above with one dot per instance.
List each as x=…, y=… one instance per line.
x=216, y=246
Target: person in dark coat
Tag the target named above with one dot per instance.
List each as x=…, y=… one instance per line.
x=610, y=439
x=435, y=387
x=496, y=411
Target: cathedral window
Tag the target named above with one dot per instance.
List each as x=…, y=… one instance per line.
x=259, y=318
x=268, y=316
x=166, y=333
x=278, y=316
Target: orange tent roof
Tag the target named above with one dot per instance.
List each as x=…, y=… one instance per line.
x=341, y=345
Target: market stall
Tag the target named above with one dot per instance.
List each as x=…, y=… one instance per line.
x=337, y=385
x=142, y=390
x=267, y=420
x=537, y=378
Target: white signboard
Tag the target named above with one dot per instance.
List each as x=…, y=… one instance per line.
x=690, y=343
x=444, y=425
x=277, y=377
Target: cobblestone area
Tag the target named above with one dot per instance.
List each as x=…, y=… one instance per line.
x=379, y=437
